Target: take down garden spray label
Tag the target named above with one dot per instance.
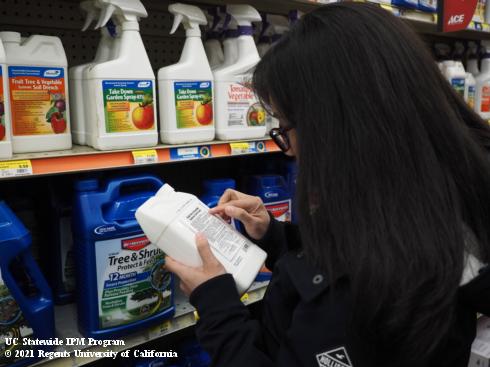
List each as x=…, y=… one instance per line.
x=128, y=105
x=132, y=282
x=193, y=104
x=38, y=100
x=12, y=324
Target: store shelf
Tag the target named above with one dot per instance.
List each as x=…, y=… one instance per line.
x=185, y=316
x=82, y=158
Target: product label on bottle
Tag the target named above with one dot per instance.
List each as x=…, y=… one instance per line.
x=458, y=85
x=67, y=255
x=128, y=105
x=193, y=104
x=471, y=96
x=485, y=99
x=2, y=107
x=230, y=246
x=131, y=280
x=281, y=210
x=12, y=325
x=243, y=108
x=38, y=100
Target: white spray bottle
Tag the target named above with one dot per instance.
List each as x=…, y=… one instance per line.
x=472, y=62
x=454, y=71
x=212, y=45
x=186, y=88
x=273, y=27
x=230, y=42
x=78, y=119
x=122, y=90
x=239, y=115
x=482, y=99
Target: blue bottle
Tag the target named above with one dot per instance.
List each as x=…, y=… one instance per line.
x=214, y=189
x=273, y=191
x=26, y=305
x=124, y=287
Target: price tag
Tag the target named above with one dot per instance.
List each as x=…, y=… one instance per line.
x=247, y=147
x=177, y=154
x=145, y=156
x=15, y=168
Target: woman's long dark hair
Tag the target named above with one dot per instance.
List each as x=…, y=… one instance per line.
x=391, y=165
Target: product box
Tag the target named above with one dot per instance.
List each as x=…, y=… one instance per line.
x=480, y=349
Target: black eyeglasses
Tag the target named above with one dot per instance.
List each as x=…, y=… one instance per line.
x=280, y=136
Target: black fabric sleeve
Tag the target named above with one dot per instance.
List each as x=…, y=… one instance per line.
x=225, y=328
x=279, y=238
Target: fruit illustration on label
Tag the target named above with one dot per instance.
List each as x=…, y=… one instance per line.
x=56, y=115
x=2, y=121
x=204, y=112
x=256, y=115
x=143, y=116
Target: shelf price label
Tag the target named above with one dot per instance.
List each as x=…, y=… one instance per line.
x=145, y=156
x=160, y=330
x=15, y=168
x=203, y=151
x=247, y=147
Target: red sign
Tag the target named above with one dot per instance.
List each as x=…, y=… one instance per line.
x=135, y=244
x=455, y=15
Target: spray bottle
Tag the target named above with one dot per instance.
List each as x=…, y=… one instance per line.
x=230, y=42
x=212, y=45
x=239, y=115
x=5, y=117
x=442, y=53
x=482, y=98
x=472, y=62
x=78, y=119
x=454, y=69
x=121, y=91
x=186, y=88
x=273, y=27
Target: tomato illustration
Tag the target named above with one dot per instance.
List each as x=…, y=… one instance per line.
x=143, y=117
x=204, y=113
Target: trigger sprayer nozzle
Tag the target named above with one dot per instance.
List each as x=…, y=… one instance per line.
x=177, y=20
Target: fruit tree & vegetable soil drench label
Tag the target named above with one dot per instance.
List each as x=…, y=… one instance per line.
x=38, y=100
x=128, y=105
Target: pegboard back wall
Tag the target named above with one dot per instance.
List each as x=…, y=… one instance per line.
x=63, y=18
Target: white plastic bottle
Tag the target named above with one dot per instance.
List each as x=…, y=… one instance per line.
x=39, y=103
x=78, y=119
x=5, y=118
x=239, y=115
x=230, y=45
x=472, y=63
x=171, y=220
x=186, y=88
x=482, y=97
x=212, y=45
x=470, y=90
x=121, y=92
x=456, y=75
x=273, y=27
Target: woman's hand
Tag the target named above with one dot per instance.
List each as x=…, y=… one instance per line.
x=191, y=278
x=249, y=210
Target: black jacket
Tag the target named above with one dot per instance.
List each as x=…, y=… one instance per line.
x=301, y=324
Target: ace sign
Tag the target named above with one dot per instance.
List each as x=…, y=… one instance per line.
x=455, y=15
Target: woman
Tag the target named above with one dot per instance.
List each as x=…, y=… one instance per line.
x=388, y=265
